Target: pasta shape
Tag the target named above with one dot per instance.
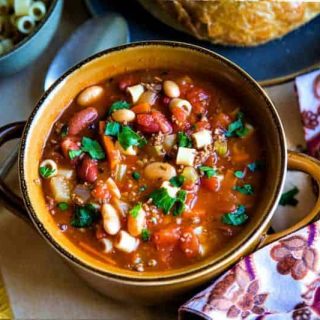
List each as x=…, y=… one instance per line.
x=37, y=10
x=21, y=7
x=25, y=24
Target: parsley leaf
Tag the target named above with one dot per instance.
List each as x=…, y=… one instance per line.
x=256, y=165
x=288, y=198
x=63, y=206
x=246, y=189
x=74, y=154
x=162, y=200
x=136, y=175
x=184, y=140
x=179, y=205
x=208, y=171
x=46, y=172
x=135, y=210
x=145, y=235
x=127, y=138
x=112, y=129
x=236, y=217
x=93, y=148
x=84, y=217
x=239, y=174
x=237, y=128
x=118, y=105
x=177, y=181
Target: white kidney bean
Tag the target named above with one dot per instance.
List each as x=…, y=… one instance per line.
x=136, y=224
x=135, y=92
x=171, y=89
x=159, y=171
x=111, y=220
x=90, y=95
x=49, y=163
x=181, y=103
x=107, y=245
x=113, y=188
x=125, y=242
x=123, y=115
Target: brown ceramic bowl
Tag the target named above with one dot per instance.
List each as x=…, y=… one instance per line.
x=111, y=280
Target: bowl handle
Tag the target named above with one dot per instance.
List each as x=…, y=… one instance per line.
x=311, y=166
x=9, y=199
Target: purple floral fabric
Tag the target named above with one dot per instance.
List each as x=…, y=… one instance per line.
x=279, y=282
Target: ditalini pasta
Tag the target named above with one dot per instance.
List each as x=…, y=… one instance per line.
x=19, y=18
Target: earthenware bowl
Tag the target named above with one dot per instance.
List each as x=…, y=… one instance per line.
x=153, y=287
x=30, y=48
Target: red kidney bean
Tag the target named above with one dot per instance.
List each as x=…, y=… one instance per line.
x=88, y=169
x=147, y=124
x=81, y=120
x=70, y=143
x=316, y=86
x=160, y=118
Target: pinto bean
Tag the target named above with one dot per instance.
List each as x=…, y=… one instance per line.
x=159, y=171
x=88, y=169
x=81, y=120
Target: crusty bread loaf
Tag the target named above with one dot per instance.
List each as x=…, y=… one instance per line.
x=230, y=22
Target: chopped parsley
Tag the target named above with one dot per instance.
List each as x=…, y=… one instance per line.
x=237, y=128
x=239, y=174
x=236, y=217
x=135, y=210
x=74, y=154
x=256, y=165
x=208, y=171
x=118, y=105
x=63, y=206
x=177, y=181
x=162, y=200
x=46, y=172
x=246, y=189
x=136, y=175
x=288, y=198
x=64, y=131
x=145, y=235
x=84, y=217
x=112, y=129
x=93, y=148
x=179, y=205
x=184, y=140
x=127, y=138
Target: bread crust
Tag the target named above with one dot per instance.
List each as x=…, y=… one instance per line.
x=231, y=22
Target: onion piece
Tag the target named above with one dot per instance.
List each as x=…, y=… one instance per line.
x=148, y=97
x=120, y=172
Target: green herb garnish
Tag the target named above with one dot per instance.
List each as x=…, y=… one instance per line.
x=93, y=148
x=256, y=165
x=127, y=138
x=239, y=174
x=208, y=171
x=162, y=200
x=237, y=128
x=63, y=206
x=46, y=172
x=74, y=154
x=84, y=217
x=117, y=106
x=184, y=140
x=236, y=217
x=145, y=235
x=179, y=205
x=288, y=198
x=135, y=210
x=246, y=189
x=177, y=181
x=112, y=129
x=136, y=175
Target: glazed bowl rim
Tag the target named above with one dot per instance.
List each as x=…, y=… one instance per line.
x=30, y=36
x=192, y=272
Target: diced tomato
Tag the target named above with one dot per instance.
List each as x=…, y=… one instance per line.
x=212, y=160
x=201, y=125
x=70, y=143
x=199, y=100
x=212, y=184
x=179, y=114
x=220, y=120
x=127, y=81
x=167, y=237
x=100, y=191
x=185, y=84
x=189, y=242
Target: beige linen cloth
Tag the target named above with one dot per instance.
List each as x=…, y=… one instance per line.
x=39, y=284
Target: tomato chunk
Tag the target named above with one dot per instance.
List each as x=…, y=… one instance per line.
x=167, y=237
x=100, y=191
x=189, y=242
x=212, y=184
x=199, y=100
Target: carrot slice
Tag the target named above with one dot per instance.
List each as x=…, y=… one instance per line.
x=96, y=253
x=141, y=108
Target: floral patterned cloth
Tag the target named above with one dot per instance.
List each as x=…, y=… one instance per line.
x=282, y=280
x=279, y=282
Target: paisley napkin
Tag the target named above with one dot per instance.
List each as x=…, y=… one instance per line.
x=282, y=280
